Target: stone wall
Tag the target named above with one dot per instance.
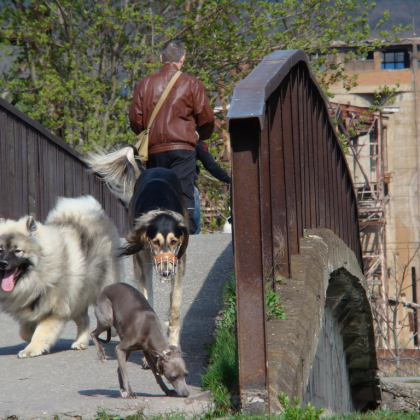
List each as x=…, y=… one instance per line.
x=327, y=340
x=409, y=363
x=400, y=396
x=329, y=369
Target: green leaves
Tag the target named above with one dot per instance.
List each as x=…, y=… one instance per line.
x=77, y=63
x=295, y=412
x=273, y=308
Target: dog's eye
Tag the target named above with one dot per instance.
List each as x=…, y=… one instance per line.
x=174, y=242
x=18, y=251
x=174, y=377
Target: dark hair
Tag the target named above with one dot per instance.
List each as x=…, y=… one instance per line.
x=172, y=51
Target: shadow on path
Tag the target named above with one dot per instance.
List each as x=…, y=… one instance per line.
x=199, y=321
x=114, y=394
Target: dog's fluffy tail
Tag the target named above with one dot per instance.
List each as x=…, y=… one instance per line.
x=119, y=169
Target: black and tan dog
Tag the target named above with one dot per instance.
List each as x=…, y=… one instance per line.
x=159, y=223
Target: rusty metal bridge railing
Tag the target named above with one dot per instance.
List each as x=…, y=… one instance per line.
x=289, y=174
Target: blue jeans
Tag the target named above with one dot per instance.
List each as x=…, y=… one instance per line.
x=197, y=213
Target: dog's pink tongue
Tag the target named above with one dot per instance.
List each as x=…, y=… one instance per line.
x=8, y=282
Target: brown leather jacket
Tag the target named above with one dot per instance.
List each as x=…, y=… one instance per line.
x=185, y=110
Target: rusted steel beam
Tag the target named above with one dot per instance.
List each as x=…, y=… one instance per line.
x=289, y=138
x=298, y=150
x=328, y=135
x=265, y=205
x=278, y=185
x=305, y=147
x=311, y=153
x=320, y=146
x=249, y=267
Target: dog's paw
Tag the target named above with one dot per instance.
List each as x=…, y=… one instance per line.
x=102, y=357
x=126, y=394
x=78, y=345
x=25, y=353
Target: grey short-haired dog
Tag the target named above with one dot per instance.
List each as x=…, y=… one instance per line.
x=123, y=307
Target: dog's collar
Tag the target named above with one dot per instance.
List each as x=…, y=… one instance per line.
x=158, y=365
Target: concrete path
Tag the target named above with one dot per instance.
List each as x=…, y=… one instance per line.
x=69, y=384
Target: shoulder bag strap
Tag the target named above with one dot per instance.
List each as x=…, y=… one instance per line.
x=163, y=97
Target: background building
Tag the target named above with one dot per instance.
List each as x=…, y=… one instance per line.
x=384, y=156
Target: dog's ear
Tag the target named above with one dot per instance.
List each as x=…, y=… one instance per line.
x=136, y=241
x=176, y=351
x=184, y=238
x=31, y=225
x=173, y=349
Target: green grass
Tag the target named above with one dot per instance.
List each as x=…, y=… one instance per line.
x=103, y=415
x=309, y=413
x=222, y=374
x=377, y=415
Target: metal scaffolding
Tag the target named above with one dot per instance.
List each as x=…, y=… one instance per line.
x=366, y=133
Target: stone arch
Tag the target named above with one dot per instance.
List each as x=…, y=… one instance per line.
x=324, y=353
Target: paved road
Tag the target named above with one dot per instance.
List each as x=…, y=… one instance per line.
x=72, y=384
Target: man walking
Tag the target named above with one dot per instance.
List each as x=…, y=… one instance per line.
x=184, y=118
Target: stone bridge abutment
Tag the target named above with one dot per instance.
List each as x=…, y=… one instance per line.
x=324, y=353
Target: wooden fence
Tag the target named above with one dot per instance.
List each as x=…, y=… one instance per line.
x=37, y=167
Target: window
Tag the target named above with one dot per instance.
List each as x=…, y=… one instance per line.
x=394, y=60
x=368, y=56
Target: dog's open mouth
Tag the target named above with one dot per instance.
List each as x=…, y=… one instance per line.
x=10, y=277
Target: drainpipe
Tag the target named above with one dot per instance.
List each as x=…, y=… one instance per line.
x=414, y=66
